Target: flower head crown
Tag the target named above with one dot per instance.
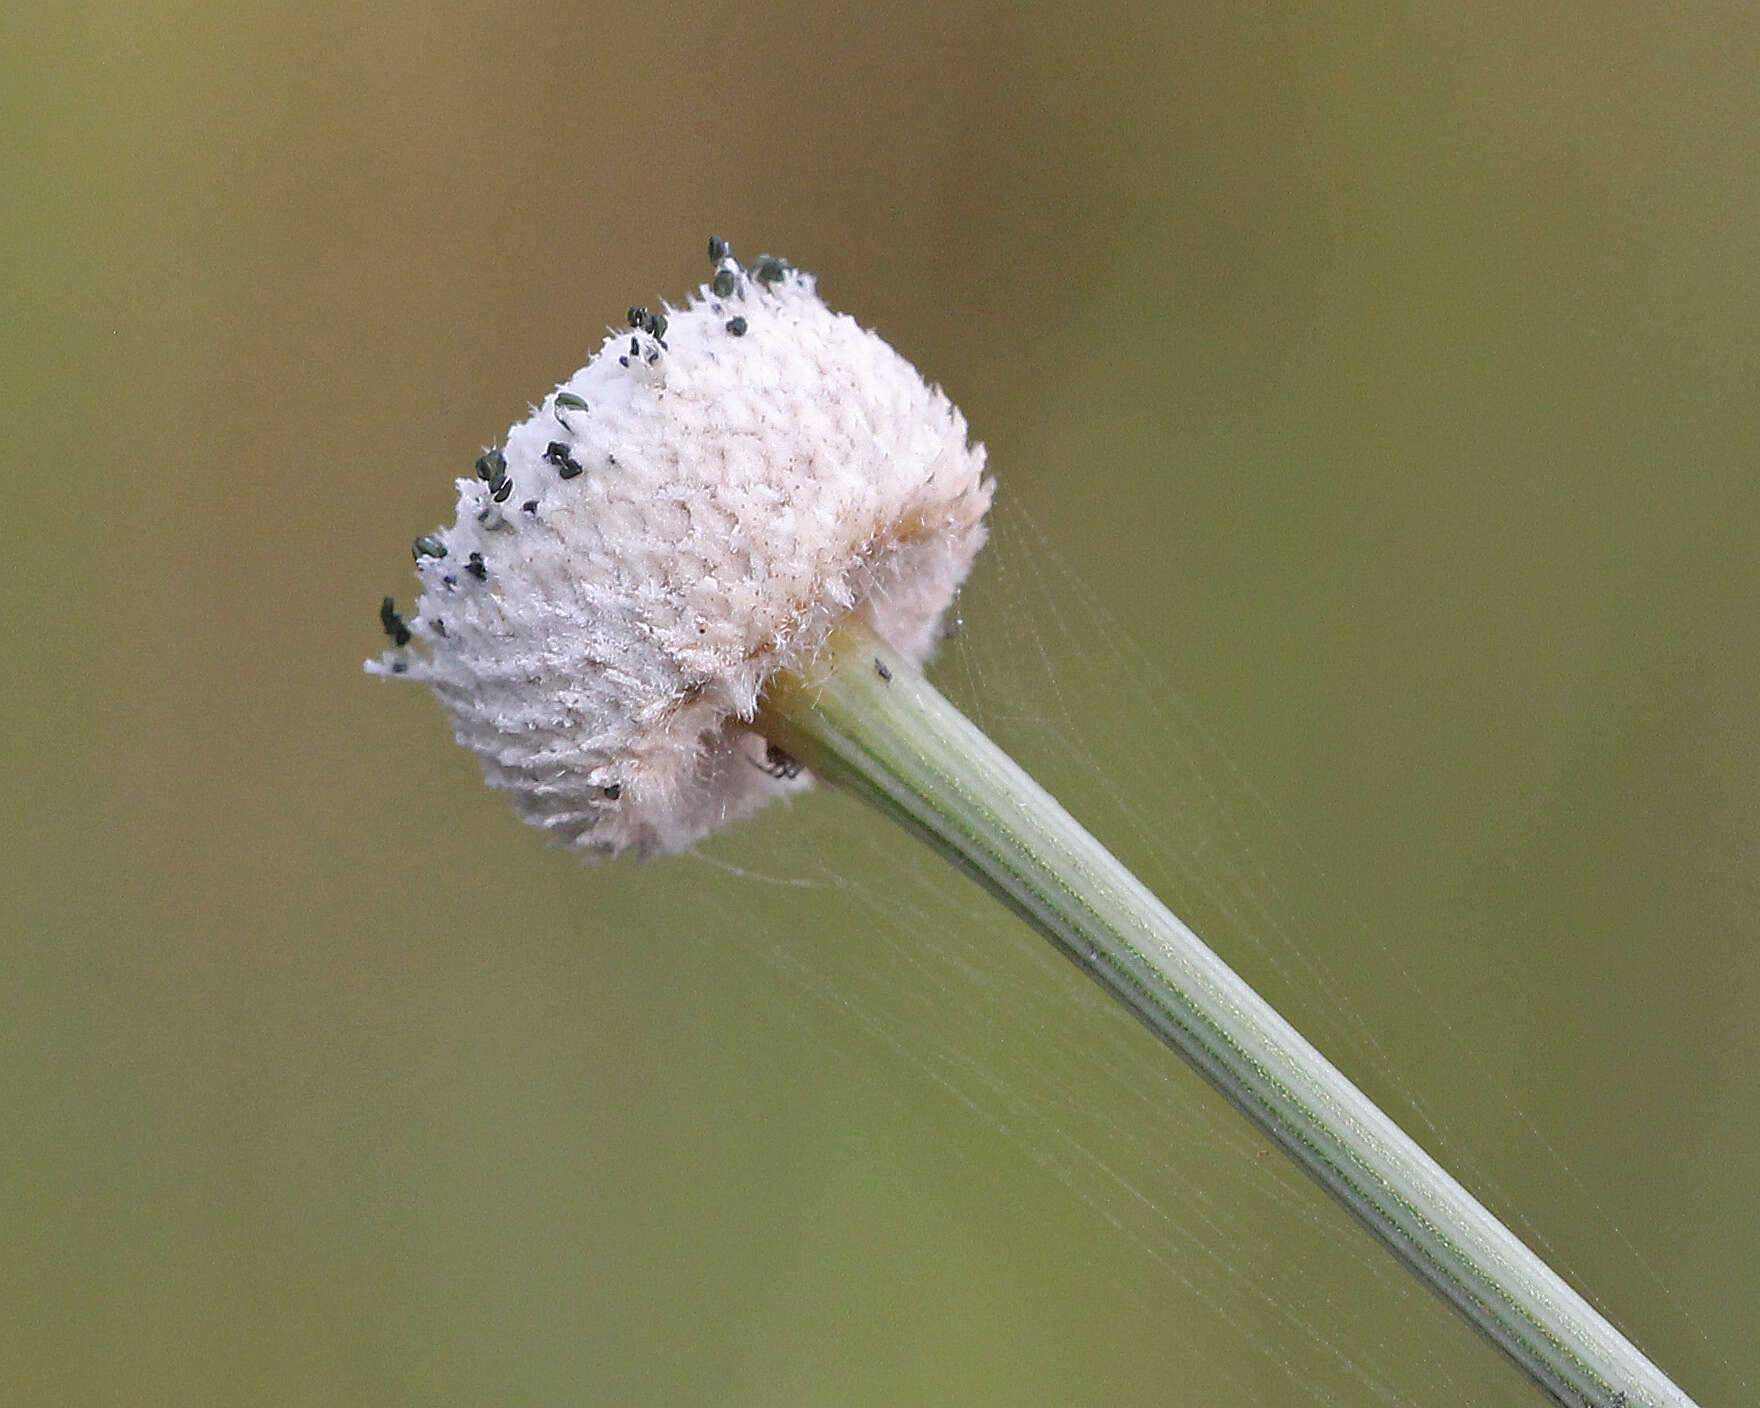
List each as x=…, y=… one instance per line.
x=689, y=513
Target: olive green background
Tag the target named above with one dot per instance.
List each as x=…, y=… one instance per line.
x=1372, y=395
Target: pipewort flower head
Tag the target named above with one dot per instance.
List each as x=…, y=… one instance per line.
x=720, y=551
x=688, y=514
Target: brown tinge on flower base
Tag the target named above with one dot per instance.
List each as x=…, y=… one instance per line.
x=689, y=513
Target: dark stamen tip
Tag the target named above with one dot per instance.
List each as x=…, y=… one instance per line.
x=556, y=452
x=392, y=622
x=492, y=466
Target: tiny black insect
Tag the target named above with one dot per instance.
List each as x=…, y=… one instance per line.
x=500, y=491
x=724, y=283
x=769, y=269
x=392, y=622
x=881, y=670
x=427, y=546
x=612, y=791
x=530, y=505
x=476, y=568
x=638, y=316
x=717, y=248
x=492, y=466
x=737, y=326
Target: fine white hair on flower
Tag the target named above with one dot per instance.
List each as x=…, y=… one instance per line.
x=689, y=513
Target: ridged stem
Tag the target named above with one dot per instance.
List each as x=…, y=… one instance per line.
x=864, y=719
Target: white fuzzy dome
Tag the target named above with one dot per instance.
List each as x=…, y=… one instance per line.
x=687, y=514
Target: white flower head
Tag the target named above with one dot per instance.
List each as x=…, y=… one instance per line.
x=689, y=513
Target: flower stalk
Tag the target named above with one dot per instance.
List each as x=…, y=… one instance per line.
x=864, y=718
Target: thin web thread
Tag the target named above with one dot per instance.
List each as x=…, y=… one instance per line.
x=1031, y=565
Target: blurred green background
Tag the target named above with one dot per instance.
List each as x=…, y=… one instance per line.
x=1372, y=392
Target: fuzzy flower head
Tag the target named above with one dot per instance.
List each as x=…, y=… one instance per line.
x=689, y=513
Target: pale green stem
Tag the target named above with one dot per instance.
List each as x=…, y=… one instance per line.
x=861, y=717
